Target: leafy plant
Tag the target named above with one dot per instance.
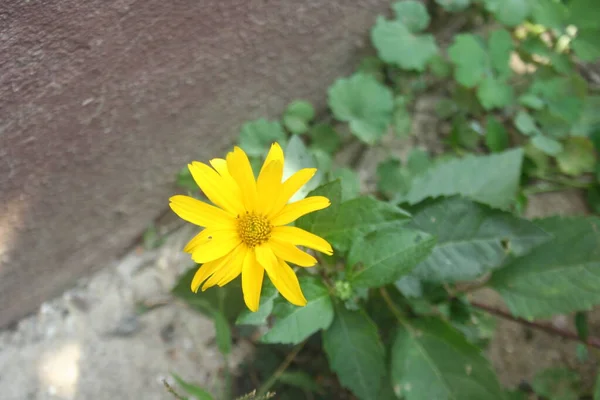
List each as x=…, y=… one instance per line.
x=390, y=314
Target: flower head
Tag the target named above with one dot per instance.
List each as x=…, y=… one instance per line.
x=245, y=231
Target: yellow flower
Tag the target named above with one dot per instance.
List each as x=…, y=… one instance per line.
x=245, y=231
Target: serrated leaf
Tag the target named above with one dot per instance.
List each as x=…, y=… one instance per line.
x=417, y=161
x=454, y=5
x=294, y=324
x=383, y=256
x=557, y=383
x=501, y=46
x=470, y=58
x=268, y=294
x=412, y=14
x=325, y=137
x=496, y=137
x=493, y=93
x=547, y=145
x=508, y=12
x=559, y=276
x=472, y=239
x=194, y=390
x=298, y=157
x=341, y=223
x=549, y=13
x=431, y=360
x=355, y=353
x=578, y=156
x=397, y=45
x=350, y=182
x=492, y=179
x=364, y=103
x=257, y=136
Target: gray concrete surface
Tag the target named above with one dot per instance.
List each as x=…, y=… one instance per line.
x=101, y=102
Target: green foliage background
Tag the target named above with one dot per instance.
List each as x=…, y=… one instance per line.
x=389, y=315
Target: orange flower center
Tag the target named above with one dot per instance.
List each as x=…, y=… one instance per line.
x=253, y=229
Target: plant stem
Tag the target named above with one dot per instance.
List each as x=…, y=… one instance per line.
x=591, y=341
x=262, y=391
x=390, y=303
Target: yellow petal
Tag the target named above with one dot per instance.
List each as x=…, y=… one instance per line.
x=202, y=237
x=221, y=191
x=300, y=237
x=252, y=278
x=240, y=169
x=220, y=244
x=291, y=253
x=199, y=213
x=290, y=187
x=287, y=284
x=268, y=184
x=295, y=210
x=220, y=165
x=275, y=154
x=231, y=268
x=206, y=270
x=266, y=258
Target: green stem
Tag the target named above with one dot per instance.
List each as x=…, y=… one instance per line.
x=390, y=303
x=263, y=390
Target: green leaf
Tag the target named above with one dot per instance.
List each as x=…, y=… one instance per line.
x=325, y=137
x=257, y=136
x=431, y=360
x=526, y=124
x=454, y=5
x=470, y=58
x=350, y=182
x=185, y=180
x=493, y=93
x=496, y=137
x=391, y=178
x=397, y=45
x=557, y=277
x=294, y=324
x=578, y=156
x=472, y=239
x=267, y=295
x=597, y=388
x=301, y=380
x=501, y=46
x=581, y=323
x=355, y=353
x=402, y=120
x=532, y=101
x=340, y=224
x=584, y=13
x=386, y=255
x=589, y=121
x=439, y=67
x=223, y=333
x=557, y=384
x=508, y=12
x=298, y=115
x=298, y=157
x=418, y=161
x=364, y=103
x=412, y=14
x=586, y=44
x=190, y=388
x=549, y=13
x=547, y=145
x=492, y=179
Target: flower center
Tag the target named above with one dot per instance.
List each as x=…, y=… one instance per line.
x=254, y=229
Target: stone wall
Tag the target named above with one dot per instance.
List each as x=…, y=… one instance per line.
x=102, y=101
